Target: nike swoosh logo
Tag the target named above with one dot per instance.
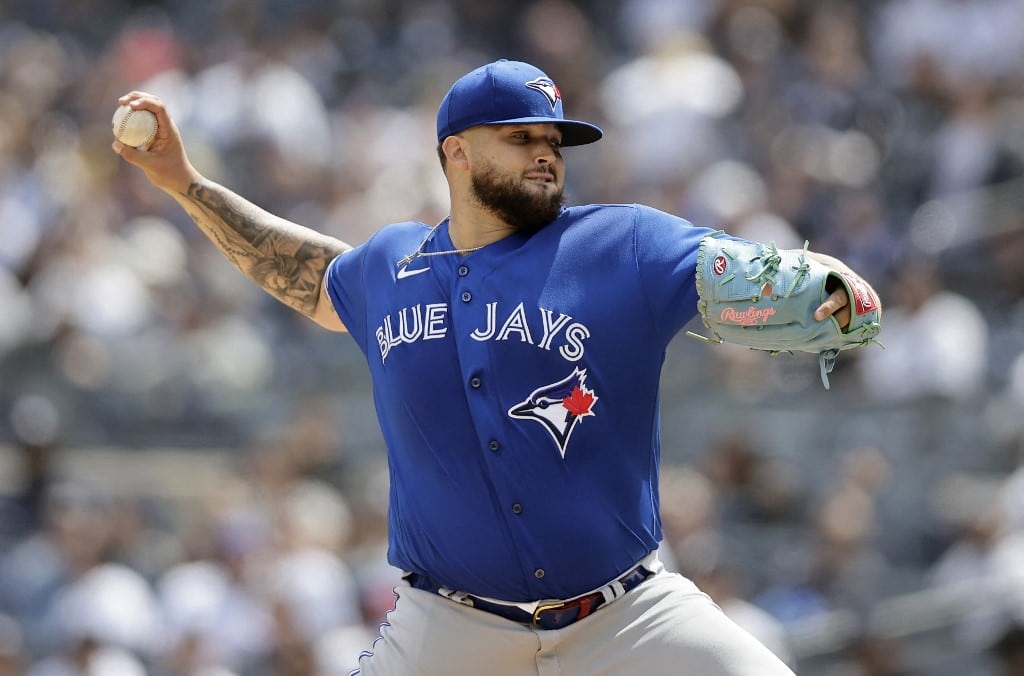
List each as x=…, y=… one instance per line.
x=404, y=271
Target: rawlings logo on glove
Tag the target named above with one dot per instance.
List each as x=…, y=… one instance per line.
x=748, y=317
x=756, y=295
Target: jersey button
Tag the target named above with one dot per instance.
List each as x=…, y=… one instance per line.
x=517, y=508
x=475, y=382
x=466, y=296
x=539, y=573
x=494, y=446
x=463, y=270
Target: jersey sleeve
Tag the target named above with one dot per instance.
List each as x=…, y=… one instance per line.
x=666, y=258
x=346, y=285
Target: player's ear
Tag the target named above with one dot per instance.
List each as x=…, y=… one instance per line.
x=454, y=148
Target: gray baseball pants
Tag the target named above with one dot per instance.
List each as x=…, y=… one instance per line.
x=664, y=626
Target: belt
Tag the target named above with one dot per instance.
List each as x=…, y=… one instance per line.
x=553, y=614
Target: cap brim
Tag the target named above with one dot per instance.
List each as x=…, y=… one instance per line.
x=574, y=132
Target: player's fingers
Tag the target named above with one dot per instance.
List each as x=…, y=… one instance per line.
x=143, y=101
x=843, y=317
x=139, y=101
x=166, y=130
x=837, y=305
x=835, y=301
x=127, y=152
x=136, y=96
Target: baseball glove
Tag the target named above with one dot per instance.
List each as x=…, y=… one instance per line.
x=756, y=295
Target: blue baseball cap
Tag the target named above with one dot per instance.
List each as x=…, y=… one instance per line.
x=508, y=92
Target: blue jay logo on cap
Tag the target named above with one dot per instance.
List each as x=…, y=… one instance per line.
x=559, y=407
x=548, y=88
x=493, y=95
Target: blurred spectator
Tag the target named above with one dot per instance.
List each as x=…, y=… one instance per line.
x=89, y=658
x=860, y=230
x=108, y=608
x=1003, y=418
x=36, y=424
x=936, y=341
x=12, y=648
x=310, y=587
x=214, y=614
x=984, y=560
x=873, y=655
x=1011, y=499
x=39, y=569
x=840, y=566
x=848, y=569
x=661, y=139
x=753, y=487
x=914, y=35
x=1010, y=651
x=690, y=520
x=143, y=537
x=22, y=511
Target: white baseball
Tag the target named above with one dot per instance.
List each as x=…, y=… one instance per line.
x=135, y=128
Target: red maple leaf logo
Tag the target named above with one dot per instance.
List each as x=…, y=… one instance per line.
x=579, y=402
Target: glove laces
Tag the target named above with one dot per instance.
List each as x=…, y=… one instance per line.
x=769, y=266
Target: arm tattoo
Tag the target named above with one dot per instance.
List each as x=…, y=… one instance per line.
x=287, y=260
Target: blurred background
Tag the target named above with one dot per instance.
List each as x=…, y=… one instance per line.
x=191, y=476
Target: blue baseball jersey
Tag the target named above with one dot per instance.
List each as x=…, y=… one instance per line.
x=517, y=392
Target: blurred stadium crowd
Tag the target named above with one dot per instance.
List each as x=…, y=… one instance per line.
x=191, y=480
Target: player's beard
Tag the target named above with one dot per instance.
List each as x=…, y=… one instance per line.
x=524, y=209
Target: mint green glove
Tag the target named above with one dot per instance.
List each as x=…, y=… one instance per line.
x=756, y=295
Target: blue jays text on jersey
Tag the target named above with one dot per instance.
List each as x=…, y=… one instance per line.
x=430, y=322
x=517, y=392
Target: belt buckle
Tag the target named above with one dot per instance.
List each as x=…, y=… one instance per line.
x=544, y=607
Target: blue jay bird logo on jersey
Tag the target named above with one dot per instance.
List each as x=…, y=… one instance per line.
x=559, y=407
x=548, y=88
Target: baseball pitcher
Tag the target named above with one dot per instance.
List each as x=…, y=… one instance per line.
x=515, y=350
